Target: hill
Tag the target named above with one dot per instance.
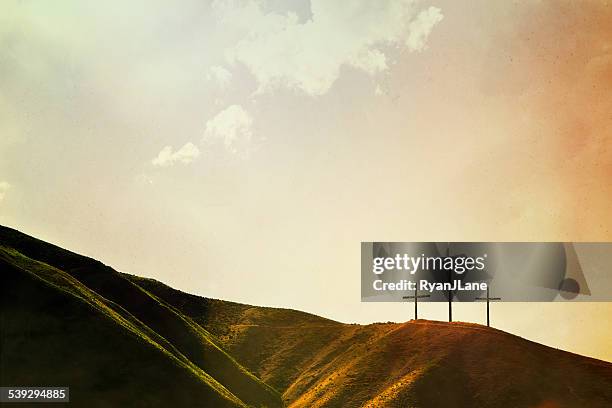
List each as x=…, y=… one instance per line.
x=68, y=319
x=122, y=340
x=316, y=362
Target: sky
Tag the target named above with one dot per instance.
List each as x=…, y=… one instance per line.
x=242, y=150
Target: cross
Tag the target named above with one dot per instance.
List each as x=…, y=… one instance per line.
x=450, y=281
x=416, y=298
x=488, y=299
x=450, y=296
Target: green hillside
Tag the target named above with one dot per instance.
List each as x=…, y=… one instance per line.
x=56, y=298
x=121, y=340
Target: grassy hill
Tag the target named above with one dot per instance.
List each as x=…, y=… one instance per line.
x=122, y=340
x=316, y=362
x=68, y=319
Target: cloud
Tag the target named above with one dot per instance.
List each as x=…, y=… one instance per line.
x=283, y=52
x=421, y=27
x=219, y=75
x=167, y=157
x=4, y=187
x=232, y=126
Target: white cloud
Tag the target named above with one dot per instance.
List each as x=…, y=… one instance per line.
x=232, y=126
x=421, y=27
x=219, y=75
x=282, y=51
x=4, y=187
x=167, y=157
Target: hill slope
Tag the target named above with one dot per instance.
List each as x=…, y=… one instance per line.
x=317, y=362
x=46, y=283
x=121, y=340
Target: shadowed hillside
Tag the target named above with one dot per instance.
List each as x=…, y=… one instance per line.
x=46, y=284
x=121, y=340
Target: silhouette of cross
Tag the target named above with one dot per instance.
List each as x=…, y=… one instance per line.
x=450, y=281
x=488, y=299
x=416, y=298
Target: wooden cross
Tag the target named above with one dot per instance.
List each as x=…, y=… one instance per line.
x=450, y=281
x=488, y=299
x=416, y=298
x=450, y=297
x=450, y=293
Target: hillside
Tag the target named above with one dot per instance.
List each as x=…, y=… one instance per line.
x=122, y=340
x=68, y=319
x=316, y=362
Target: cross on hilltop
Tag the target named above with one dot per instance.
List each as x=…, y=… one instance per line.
x=488, y=299
x=416, y=297
x=450, y=281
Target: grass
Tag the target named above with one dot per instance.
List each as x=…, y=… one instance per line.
x=95, y=289
x=121, y=340
x=53, y=334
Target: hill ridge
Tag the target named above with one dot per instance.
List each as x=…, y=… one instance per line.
x=229, y=354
